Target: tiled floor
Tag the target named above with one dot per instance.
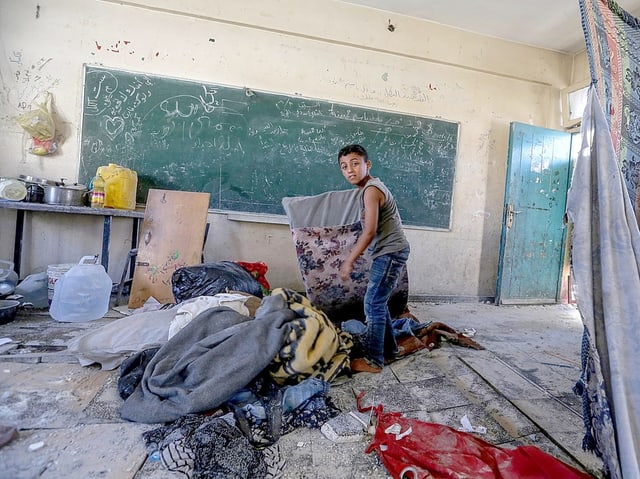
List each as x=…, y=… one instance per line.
x=518, y=388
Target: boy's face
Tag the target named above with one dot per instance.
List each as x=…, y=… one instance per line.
x=354, y=168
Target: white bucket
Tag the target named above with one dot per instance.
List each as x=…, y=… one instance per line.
x=54, y=273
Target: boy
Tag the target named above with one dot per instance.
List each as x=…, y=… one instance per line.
x=382, y=229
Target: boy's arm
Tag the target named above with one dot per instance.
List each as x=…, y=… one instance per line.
x=373, y=198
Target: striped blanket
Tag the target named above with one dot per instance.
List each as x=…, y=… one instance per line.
x=612, y=37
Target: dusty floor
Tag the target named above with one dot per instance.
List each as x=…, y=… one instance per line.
x=519, y=389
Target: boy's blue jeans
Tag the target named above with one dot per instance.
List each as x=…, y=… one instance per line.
x=383, y=278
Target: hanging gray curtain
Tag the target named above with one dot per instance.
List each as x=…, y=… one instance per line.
x=606, y=268
x=604, y=204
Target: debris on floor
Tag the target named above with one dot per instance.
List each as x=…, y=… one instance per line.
x=68, y=423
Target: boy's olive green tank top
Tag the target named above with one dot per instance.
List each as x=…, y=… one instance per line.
x=390, y=236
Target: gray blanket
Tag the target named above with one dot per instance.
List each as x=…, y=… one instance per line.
x=205, y=363
x=332, y=208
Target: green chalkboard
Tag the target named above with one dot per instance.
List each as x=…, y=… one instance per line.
x=249, y=149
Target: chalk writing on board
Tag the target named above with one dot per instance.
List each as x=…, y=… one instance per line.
x=251, y=150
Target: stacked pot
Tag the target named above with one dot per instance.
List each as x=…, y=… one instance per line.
x=40, y=190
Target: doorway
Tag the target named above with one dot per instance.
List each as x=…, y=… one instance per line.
x=532, y=242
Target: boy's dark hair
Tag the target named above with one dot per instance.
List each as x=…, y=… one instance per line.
x=345, y=150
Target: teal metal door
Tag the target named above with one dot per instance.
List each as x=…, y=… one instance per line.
x=533, y=232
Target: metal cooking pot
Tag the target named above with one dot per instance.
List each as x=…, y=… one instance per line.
x=8, y=309
x=28, y=179
x=65, y=195
x=35, y=193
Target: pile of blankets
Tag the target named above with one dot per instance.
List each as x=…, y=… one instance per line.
x=218, y=352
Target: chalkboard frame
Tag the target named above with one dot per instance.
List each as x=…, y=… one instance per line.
x=399, y=132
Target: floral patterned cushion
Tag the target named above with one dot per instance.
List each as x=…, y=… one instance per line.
x=320, y=251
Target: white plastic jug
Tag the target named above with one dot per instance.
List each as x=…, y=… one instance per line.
x=82, y=293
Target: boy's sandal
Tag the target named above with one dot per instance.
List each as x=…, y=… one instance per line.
x=361, y=365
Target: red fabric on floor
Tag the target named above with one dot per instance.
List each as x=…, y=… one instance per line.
x=413, y=449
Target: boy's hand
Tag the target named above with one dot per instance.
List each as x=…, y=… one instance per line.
x=345, y=270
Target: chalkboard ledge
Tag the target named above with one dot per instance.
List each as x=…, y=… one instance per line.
x=253, y=217
x=283, y=220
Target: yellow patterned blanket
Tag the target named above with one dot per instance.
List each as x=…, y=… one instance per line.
x=314, y=347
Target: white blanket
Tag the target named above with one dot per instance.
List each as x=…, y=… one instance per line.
x=112, y=343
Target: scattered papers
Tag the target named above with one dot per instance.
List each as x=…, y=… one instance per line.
x=467, y=427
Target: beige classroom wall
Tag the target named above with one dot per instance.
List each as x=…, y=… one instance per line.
x=314, y=48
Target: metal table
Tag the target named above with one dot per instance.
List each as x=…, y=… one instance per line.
x=107, y=213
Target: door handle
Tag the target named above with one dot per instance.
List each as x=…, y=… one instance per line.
x=510, y=210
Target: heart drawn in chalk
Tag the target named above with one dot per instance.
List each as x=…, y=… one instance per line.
x=114, y=126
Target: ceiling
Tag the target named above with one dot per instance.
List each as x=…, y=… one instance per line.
x=550, y=24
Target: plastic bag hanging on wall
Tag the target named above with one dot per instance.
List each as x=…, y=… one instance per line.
x=38, y=122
